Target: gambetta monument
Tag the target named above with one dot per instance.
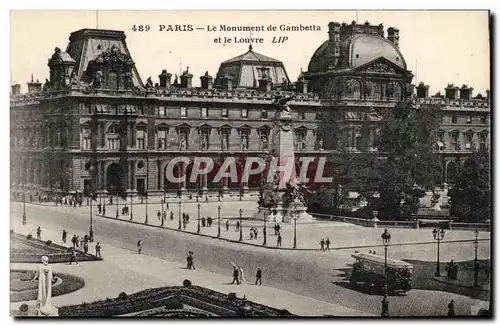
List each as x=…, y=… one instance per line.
x=43, y=302
x=283, y=199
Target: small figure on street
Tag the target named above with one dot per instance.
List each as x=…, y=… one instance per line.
x=237, y=226
x=278, y=243
x=91, y=235
x=171, y=216
x=64, y=235
x=275, y=229
x=203, y=222
x=167, y=206
x=73, y=240
x=255, y=233
x=278, y=227
x=73, y=256
x=236, y=274
x=158, y=214
x=104, y=210
x=251, y=233
x=139, y=247
x=327, y=242
x=164, y=216
x=190, y=261
x=322, y=244
x=39, y=233
x=227, y=225
x=451, y=308
x=98, y=250
x=99, y=208
x=86, y=247
x=258, y=276
x=85, y=238
x=209, y=221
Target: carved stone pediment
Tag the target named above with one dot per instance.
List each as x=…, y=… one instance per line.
x=380, y=67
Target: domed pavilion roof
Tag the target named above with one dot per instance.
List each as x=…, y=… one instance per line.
x=247, y=68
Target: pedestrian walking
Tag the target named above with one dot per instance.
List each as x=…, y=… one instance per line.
x=278, y=243
x=98, y=250
x=322, y=244
x=99, y=208
x=167, y=206
x=275, y=229
x=64, y=235
x=203, y=222
x=327, y=242
x=158, y=214
x=86, y=247
x=104, y=210
x=91, y=235
x=227, y=225
x=258, y=276
x=251, y=233
x=451, y=308
x=237, y=225
x=171, y=216
x=73, y=256
x=190, y=261
x=255, y=233
x=39, y=233
x=236, y=274
x=139, y=247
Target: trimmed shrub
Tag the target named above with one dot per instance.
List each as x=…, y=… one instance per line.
x=122, y=296
x=48, y=242
x=186, y=283
x=29, y=236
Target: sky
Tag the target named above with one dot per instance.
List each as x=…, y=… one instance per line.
x=439, y=47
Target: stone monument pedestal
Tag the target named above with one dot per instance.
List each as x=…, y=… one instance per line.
x=285, y=213
x=48, y=312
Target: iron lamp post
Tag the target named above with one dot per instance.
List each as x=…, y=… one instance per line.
x=198, y=206
x=241, y=225
x=146, y=195
x=386, y=238
x=180, y=212
x=294, y=227
x=24, y=205
x=476, y=265
x=218, y=217
x=91, y=231
x=163, y=209
x=265, y=230
x=116, y=189
x=438, y=236
x=105, y=197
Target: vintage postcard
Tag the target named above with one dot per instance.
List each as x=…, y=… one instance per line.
x=250, y=164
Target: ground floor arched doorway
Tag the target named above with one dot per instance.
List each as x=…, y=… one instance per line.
x=115, y=179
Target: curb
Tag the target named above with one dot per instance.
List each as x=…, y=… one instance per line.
x=282, y=248
x=463, y=286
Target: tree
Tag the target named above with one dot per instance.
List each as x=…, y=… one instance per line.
x=470, y=197
x=394, y=178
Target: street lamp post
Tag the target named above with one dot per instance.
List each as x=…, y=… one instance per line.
x=198, y=231
x=116, y=189
x=476, y=265
x=294, y=226
x=91, y=231
x=162, y=209
x=218, y=217
x=146, y=195
x=105, y=198
x=265, y=230
x=241, y=225
x=24, y=205
x=180, y=212
x=438, y=236
x=386, y=238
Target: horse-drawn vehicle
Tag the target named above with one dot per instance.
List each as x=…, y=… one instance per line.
x=369, y=270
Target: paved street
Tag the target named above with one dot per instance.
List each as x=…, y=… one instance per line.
x=313, y=274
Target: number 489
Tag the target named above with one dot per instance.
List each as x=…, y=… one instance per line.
x=141, y=28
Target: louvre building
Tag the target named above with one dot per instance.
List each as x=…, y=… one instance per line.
x=95, y=124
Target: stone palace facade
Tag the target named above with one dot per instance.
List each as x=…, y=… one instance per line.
x=94, y=124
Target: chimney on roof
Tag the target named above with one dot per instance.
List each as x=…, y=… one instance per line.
x=16, y=89
x=186, y=79
x=422, y=90
x=34, y=87
x=488, y=94
x=393, y=36
x=165, y=79
x=466, y=92
x=207, y=81
x=451, y=92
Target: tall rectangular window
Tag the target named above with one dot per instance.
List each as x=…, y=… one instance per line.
x=469, y=119
x=264, y=139
x=225, y=139
x=162, y=139
x=455, y=145
x=162, y=111
x=183, y=139
x=141, y=139
x=113, y=143
x=244, y=137
x=482, y=141
x=263, y=114
x=454, y=118
x=224, y=112
x=244, y=113
x=204, y=112
x=483, y=119
x=183, y=112
x=301, y=139
x=468, y=141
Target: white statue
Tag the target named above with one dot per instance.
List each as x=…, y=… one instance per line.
x=44, y=276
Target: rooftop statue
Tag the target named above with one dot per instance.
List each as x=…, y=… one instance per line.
x=284, y=110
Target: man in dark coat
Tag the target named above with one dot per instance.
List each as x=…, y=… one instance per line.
x=258, y=277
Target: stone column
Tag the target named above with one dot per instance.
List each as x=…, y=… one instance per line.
x=204, y=187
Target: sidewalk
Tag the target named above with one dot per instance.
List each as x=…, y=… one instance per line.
x=125, y=271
